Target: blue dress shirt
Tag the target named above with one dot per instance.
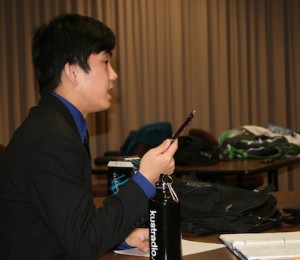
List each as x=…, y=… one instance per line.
x=81, y=124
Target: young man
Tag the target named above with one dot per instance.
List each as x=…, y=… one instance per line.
x=46, y=203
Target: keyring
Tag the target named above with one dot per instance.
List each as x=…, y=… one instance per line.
x=169, y=184
x=169, y=180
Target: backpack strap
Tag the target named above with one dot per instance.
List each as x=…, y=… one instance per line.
x=267, y=189
x=294, y=216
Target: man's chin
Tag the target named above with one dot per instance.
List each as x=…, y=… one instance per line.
x=105, y=107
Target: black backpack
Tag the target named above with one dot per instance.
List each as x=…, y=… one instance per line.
x=196, y=150
x=208, y=208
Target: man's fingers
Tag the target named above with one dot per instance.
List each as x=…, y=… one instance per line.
x=173, y=147
x=144, y=247
x=163, y=146
x=166, y=146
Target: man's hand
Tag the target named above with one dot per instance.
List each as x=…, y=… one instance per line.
x=139, y=238
x=159, y=160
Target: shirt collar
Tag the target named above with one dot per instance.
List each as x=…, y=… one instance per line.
x=76, y=114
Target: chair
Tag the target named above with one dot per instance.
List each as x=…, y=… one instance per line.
x=208, y=136
x=2, y=149
x=99, y=186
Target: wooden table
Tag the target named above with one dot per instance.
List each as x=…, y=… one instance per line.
x=240, y=168
x=223, y=168
x=285, y=199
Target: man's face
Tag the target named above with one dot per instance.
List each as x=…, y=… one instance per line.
x=96, y=85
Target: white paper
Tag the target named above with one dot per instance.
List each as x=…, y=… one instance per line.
x=279, y=245
x=188, y=248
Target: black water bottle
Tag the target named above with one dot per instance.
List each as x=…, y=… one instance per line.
x=164, y=222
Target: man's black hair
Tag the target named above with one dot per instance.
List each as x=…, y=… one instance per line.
x=69, y=38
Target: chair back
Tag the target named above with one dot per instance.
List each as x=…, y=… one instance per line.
x=2, y=149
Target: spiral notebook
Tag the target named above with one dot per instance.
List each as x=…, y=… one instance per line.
x=282, y=245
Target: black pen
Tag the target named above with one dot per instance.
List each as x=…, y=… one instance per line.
x=183, y=126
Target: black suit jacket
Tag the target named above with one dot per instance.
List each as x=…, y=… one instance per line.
x=46, y=204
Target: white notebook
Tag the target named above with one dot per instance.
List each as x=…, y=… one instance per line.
x=281, y=245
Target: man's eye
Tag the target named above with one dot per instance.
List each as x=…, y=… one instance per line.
x=106, y=62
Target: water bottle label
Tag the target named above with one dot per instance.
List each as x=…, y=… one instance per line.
x=153, y=232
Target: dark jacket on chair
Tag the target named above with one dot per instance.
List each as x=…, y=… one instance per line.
x=146, y=137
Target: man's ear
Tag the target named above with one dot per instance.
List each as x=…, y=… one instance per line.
x=70, y=71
